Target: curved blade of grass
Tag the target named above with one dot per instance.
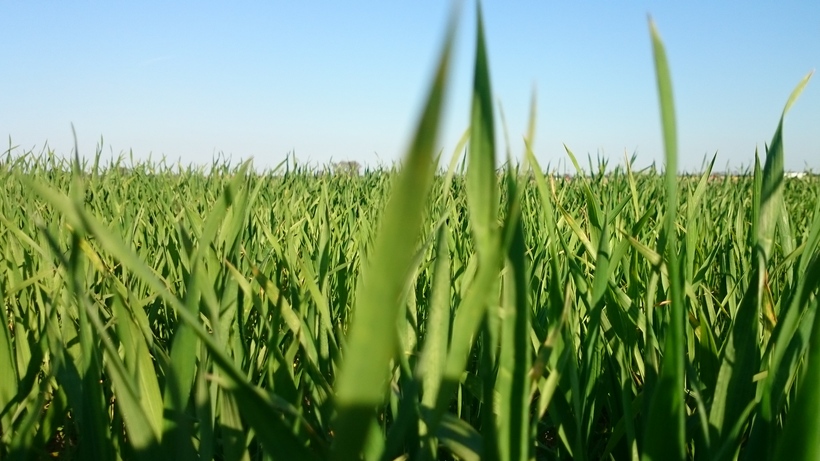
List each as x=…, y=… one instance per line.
x=460, y=438
x=372, y=339
x=482, y=206
x=771, y=200
x=741, y=355
x=140, y=416
x=138, y=364
x=772, y=211
x=665, y=434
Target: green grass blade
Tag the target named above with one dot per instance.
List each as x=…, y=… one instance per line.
x=143, y=435
x=460, y=438
x=513, y=380
x=804, y=422
x=771, y=203
x=139, y=367
x=371, y=342
x=142, y=426
x=233, y=435
x=8, y=380
x=665, y=434
x=436, y=342
x=741, y=355
x=482, y=207
x=481, y=174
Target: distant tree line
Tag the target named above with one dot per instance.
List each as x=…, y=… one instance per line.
x=351, y=168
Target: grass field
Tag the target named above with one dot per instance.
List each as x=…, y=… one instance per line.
x=153, y=312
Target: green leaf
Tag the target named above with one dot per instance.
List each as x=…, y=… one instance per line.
x=372, y=340
x=513, y=381
x=665, y=434
x=481, y=174
x=8, y=379
x=771, y=202
x=741, y=354
x=437, y=337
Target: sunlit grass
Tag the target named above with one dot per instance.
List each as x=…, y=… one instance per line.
x=152, y=312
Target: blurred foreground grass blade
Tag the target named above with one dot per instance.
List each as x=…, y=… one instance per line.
x=481, y=174
x=664, y=437
x=459, y=437
x=372, y=339
x=481, y=183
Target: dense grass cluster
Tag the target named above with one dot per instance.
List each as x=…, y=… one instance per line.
x=159, y=313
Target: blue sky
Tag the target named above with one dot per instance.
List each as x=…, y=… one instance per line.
x=335, y=81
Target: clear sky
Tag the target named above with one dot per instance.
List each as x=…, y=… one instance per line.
x=335, y=81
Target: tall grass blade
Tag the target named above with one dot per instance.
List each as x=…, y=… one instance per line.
x=665, y=433
x=437, y=338
x=372, y=341
x=741, y=355
x=771, y=203
x=513, y=380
